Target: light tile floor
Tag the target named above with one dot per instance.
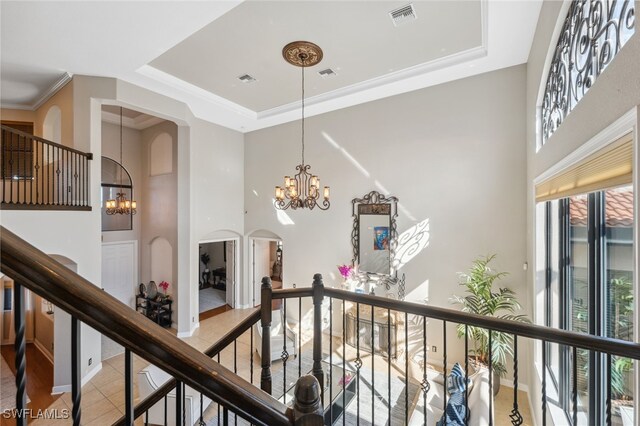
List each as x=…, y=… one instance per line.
x=103, y=396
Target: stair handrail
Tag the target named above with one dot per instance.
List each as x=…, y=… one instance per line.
x=33, y=269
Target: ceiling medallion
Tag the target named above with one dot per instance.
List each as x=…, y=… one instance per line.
x=302, y=53
x=302, y=191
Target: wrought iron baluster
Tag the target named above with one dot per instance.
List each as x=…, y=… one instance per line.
x=146, y=418
x=251, y=354
x=544, y=383
x=23, y=175
x=201, y=420
x=490, y=379
x=608, y=392
x=425, y=382
x=285, y=354
x=373, y=356
x=20, y=345
x=389, y=365
x=515, y=416
x=235, y=369
x=330, y=359
x=466, y=374
x=38, y=159
x=31, y=169
x=358, y=363
x=179, y=404
x=219, y=403
x=574, y=385
x=406, y=368
x=128, y=387
x=11, y=161
x=225, y=416
x=76, y=371
x=299, y=336
x=165, y=410
x=344, y=377
x=444, y=362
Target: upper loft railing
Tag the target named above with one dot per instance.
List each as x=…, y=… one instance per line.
x=32, y=269
x=40, y=174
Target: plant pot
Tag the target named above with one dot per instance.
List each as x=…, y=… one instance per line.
x=495, y=380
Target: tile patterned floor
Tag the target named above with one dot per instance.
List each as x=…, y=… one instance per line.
x=103, y=397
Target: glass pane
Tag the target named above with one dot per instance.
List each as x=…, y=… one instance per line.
x=113, y=173
x=579, y=292
x=553, y=317
x=619, y=269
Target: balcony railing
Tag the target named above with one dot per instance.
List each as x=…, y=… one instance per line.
x=41, y=174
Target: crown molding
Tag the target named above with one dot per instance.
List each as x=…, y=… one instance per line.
x=141, y=122
x=52, y=90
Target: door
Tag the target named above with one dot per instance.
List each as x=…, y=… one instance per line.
x=119, y=279
x=120, y=270
x=230, y=254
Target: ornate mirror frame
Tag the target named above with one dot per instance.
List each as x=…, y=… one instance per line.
x=375, y=203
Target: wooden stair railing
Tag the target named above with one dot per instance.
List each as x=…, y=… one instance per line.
x=38, y=174
x=30, y=268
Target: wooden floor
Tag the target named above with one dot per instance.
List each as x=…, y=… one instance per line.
x=39, y=377
x=213, y=312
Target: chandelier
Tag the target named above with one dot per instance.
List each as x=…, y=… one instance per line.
x=303, y=189
x=121, y=205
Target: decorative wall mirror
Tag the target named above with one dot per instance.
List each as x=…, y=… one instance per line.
x=374, y=236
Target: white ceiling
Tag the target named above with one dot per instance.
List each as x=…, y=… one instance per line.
x=130, y=118
x=194, y=51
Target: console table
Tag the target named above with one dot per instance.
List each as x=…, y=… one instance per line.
x=362, y=327
x=158, y=311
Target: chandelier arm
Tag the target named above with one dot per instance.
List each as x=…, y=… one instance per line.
x=302, y=57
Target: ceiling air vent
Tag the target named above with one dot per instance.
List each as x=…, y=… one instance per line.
x=246, y=78
x=327, y=73
x=403, y=14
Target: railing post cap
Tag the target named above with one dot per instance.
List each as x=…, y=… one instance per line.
x=307, y=394
x=317, y=278
x=266, y=282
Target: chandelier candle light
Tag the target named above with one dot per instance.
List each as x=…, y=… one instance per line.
x=121, y=205
x=303, y=189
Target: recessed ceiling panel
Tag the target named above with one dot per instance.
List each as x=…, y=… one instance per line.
x=359, y=40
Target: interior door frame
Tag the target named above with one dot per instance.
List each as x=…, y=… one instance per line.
x=236, y=254
x=252, y=262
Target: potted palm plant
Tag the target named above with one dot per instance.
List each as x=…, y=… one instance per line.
x=481, y=299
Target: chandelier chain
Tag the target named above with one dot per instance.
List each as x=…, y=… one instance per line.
x=303, y=58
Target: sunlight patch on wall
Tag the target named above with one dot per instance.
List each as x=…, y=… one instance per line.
x=411, y=242
x=282, y=217
x=346, y=154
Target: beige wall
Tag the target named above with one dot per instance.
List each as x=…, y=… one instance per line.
x=17, y=115
x=615, y=92
x=159, y=214
x=63, y=98
x=453, y=154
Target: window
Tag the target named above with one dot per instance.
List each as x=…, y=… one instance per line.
x=592, y=34
x=589, y=289
x=17, y=152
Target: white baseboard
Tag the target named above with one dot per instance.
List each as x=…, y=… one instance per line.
x=43, y=350
x=67, y=388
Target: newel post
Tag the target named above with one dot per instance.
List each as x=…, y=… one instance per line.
x=318, y=295
x=265, y=322
x=307, y=404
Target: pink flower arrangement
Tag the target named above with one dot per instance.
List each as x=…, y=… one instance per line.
x=164, y=286
x=345, y=380
x=346, y=271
